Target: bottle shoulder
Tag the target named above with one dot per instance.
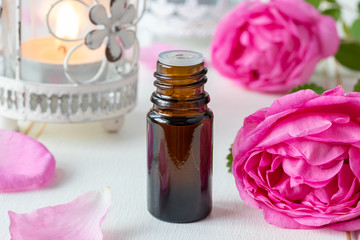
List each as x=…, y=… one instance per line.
x=156, y=117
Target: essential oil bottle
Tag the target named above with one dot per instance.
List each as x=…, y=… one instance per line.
x=179, y=132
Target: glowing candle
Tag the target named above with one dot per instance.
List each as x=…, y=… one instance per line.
x=43, y=58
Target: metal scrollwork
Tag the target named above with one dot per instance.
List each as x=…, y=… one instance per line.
x=117, y=30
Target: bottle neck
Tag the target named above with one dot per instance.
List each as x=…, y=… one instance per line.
x=180, y=90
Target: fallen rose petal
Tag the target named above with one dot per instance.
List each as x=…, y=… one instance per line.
x=24, y=162
x=78, y=220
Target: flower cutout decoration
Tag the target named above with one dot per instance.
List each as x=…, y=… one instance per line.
x=115, y=28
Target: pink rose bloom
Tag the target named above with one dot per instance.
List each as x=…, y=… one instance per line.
x=273, y=47
x=299, y=160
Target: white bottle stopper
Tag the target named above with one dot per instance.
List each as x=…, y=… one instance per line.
x=181, y=58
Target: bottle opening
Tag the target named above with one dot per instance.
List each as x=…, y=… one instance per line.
x=181, y=58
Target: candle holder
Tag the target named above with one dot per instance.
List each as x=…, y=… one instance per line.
x=184, y=18
x=69, y=61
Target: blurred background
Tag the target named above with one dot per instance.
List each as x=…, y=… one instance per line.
x=191, y=23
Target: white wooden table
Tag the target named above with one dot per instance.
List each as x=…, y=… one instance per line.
x=90, y=159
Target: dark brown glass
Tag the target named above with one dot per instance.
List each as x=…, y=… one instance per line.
x=180, y=127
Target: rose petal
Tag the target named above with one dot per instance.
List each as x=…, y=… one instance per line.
x=244, y=143
x=354, y=160
x=336, y=102
x=98, y=15
x=223, y=47
x=309, y=125
x=295, y=100
x=245, y=196
x=285, y=150
x=300, y=170
x=351, y=225
x=79, y=219
x=346, y=185
x=355, y=95
x=313, y=221
x=318, y=153
x=250, y=123
x=281, y=220
x=24, y=162
x=297, y=9
x=340, y=133
x=251, y=167
x=296, y=193
x=328, y=36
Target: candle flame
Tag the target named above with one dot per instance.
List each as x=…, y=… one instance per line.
x=67, y=21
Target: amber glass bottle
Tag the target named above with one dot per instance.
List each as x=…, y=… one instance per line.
x=180, y=140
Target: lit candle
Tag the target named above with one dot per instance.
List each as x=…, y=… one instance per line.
x=43, y=58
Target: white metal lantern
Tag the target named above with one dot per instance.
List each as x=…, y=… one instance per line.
x=185, y=18
x=68, y=61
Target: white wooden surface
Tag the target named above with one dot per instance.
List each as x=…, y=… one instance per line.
x=90, y=159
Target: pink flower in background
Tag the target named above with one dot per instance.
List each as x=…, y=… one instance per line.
x=80, y=219
x=275, y=46
x=25, y=163
x=299, y=160
x=149, y=55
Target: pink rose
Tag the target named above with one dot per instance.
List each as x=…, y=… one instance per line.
x=299, y=160
x=275, y=46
